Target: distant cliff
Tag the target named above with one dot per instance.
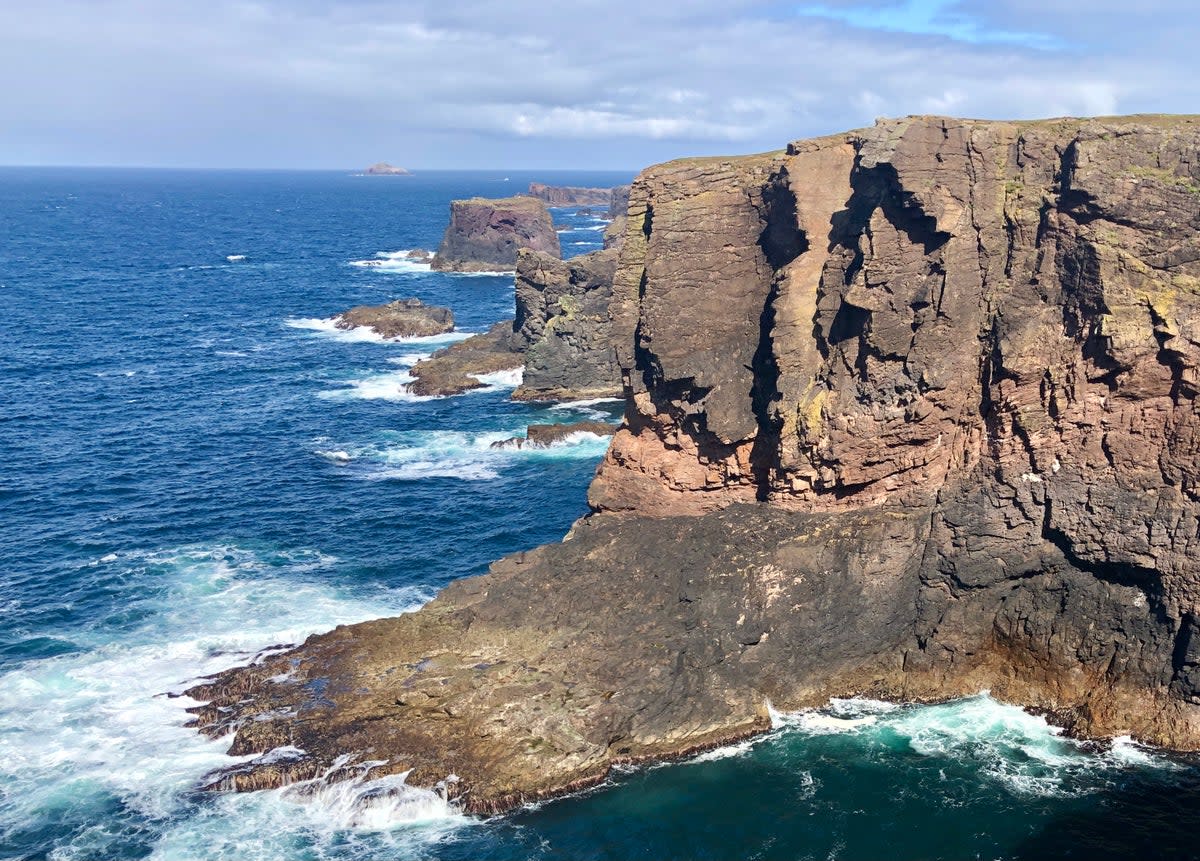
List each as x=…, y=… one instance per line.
x=910, y=412
x=382, y=168
x=569, y=195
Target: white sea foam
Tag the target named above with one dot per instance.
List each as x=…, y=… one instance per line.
x=383, y=386
x=508, y=379
x=393, y=261
x=327, y=327
x=1003, y=742
x=235, y=258
x=467, y=456
x=588, y=407
x=94, y=728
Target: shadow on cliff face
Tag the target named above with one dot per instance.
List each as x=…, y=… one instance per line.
x=1147, y=815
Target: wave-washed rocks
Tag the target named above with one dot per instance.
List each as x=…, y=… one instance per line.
x=456, y=369
x=910, y=413
x=403, y=318
x=544, y=436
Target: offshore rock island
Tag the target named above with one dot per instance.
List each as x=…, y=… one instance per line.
x=910, y=413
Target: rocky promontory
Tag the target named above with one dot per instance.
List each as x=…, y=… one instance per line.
x=403, y=318
x=910, y=413
x=570, y=195
x=484, y=235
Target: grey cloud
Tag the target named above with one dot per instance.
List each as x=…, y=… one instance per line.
x=523, y=83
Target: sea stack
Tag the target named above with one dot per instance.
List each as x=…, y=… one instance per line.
x=910, y=413
x=484, y=235
x=563, y=328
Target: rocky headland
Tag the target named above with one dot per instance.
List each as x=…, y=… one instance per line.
x=403, y=318
x=484, y=234
x=569, y=195
x=910, y=413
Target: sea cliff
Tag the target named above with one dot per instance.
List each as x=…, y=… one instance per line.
x=910, y=412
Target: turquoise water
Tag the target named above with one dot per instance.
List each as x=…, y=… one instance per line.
x=197, y=465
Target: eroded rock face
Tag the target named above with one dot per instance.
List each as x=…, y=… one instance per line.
x=910, y=413
x=403, y=318
x=484, y=235
x=563, y=327
x=570, y=195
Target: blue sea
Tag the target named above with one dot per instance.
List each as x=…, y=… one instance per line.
x=196, y=464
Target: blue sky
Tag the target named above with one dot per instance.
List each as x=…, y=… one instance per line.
x=519, y=83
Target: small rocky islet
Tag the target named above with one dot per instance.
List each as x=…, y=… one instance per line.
x=910, y=412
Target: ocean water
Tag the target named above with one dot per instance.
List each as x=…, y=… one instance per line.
x=198, y=466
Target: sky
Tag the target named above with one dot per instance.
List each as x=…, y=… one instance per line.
x=600, y=84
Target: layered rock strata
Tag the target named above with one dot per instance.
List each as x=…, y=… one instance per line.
x=614, y=232
x=570, y=195
x=484, y=234
x=403, y=318
x=910, y=413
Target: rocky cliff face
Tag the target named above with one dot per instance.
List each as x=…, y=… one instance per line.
x=484, y=235
x=910, y=413
x=562, y=326
x=570, y=195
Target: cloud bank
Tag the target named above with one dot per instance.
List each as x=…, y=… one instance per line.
x=614, y=84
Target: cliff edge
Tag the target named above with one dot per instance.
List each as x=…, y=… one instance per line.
x=910, y=412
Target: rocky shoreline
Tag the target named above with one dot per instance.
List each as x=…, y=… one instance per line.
x=910, y=413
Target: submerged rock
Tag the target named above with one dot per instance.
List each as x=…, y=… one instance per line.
x=542, y=436
x=910, y=414
x=403, y=318
x=484, y=235
x=456, y=369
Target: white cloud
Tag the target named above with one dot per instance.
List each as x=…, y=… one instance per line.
x=469, y=83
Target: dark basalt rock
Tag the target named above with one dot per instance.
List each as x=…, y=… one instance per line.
x=910, y=413
x=452, y=370
x=563, y=327
x=403, y=318
x=484, y=235
x=543, y=436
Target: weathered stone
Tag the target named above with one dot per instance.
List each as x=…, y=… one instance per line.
x=403, y=318
x=911, y=412
x=455, y=369
x=563, y=328
x=484, y=235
